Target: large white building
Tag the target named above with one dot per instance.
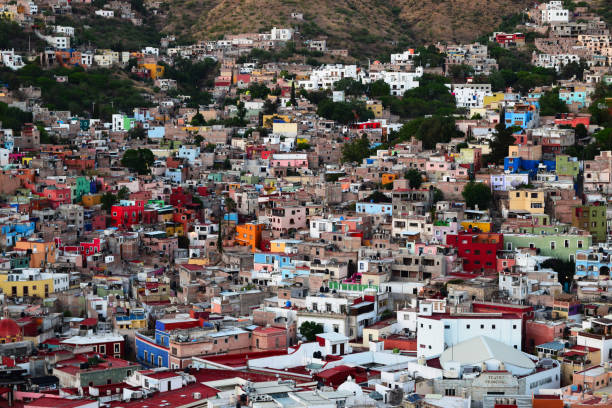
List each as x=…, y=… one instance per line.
x=399, y=82
x=436, y=333
x=325, y=76
x=405, y=57
x=553, y=12
x=556, y=61
x=470, y=95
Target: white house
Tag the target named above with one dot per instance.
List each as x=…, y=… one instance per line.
x=553, y=12
x=556, y=61
x=325, y=76
x=105, y=13
x=403, y=58
x=66, y=30
x=12, y=60
x=470, y=95
x=436, y=333
x=281, y=34
x=399, y=82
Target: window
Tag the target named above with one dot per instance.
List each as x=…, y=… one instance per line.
x=514, y=326
x=467, y=326
x=159, y=361
x=552, y=245
x=482, y=326
x=493, y=326
x=449, y=392
x=117, y=348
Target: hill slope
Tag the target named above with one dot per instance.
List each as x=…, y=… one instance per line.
x=365, y=27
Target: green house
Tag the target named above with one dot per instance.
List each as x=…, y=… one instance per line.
x=562, y=246
x=567, y=165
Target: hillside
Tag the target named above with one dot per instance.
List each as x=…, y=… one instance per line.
x=365, y=27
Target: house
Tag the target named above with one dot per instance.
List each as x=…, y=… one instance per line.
x=103, y=344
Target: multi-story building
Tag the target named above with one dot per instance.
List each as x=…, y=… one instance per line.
x=592, y=218
x=478, y=250
x=531, y=201
x=127, y=213
x=437, y=332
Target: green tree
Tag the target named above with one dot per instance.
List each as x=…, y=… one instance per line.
x=502, y=140
x=138, y=160
x=310, y=330
x=292, y=99
x=356, y=150
x=198, y=120
x=414, y=178
x=258, y=90
x=379, y=89
x=350, y=86
x=378, y=197
x=107, y=200
x=477, y=194
x=344, y=112
x=137, y=132
x=550, y=104
x=123, y=193
x=438, y=195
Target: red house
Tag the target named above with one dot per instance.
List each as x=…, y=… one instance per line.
x=57, y=196
x=178, y=197
x=90, y=248
x=573, y=119
x=478, y=249
x=127, y=213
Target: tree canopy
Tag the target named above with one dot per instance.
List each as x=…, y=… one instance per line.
x=310, y=330
x=356, y=150
x=477, y=194
x=414, y=177
x=138, y=160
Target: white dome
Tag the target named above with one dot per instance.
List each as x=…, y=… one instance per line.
x=352, y=387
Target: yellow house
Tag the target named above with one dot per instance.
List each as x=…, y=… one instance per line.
x=174, y=229
x=89, y=200
x=18, y=285
x=483, y=226
x=482, y=112
x=531, y=201
x=376, y=108
x=41, y=252
x=268, y=120
x=7, y=15
x=484, y=148
x=198, y=261
x=285, y=129
x=167, y=217
x=157, y=71
x=493, y=100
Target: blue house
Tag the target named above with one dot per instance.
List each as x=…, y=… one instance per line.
x=374, y=208
x=523, y=116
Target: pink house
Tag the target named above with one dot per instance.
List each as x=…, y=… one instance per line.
x=225, y=341
x=269, y=338
x=285, y=218
x=299, y=160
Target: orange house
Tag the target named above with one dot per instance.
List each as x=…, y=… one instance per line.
x=388, y=178
x=249, y=235
x=41, y=252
